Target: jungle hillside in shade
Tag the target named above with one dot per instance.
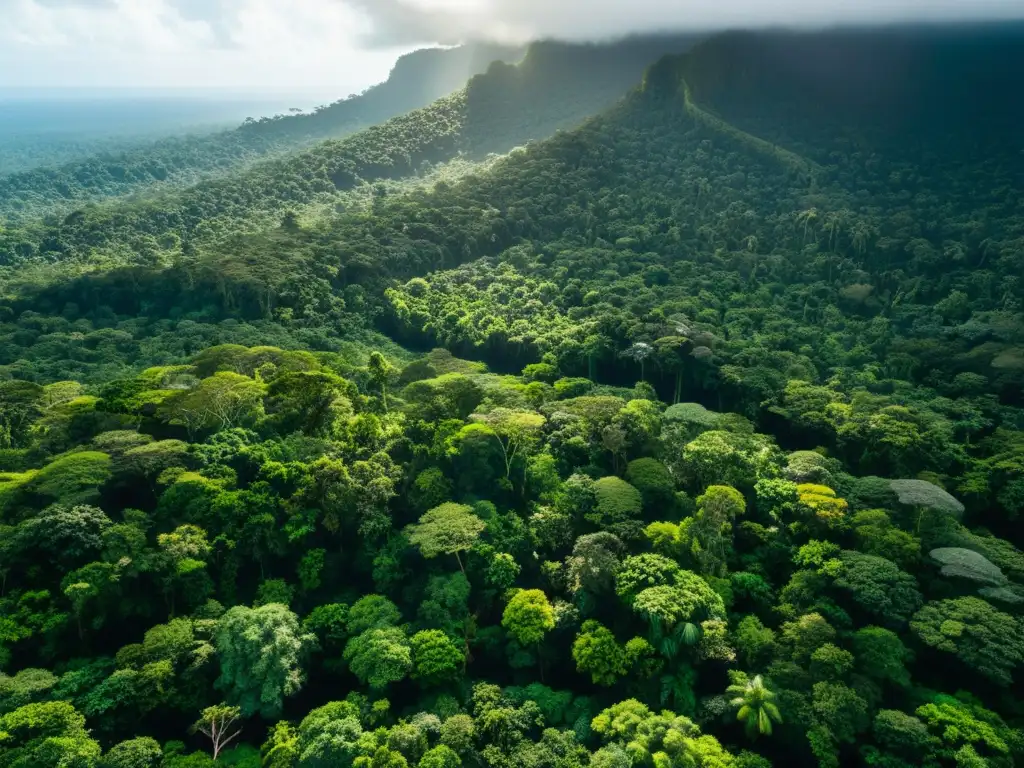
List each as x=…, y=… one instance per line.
x=690, y=434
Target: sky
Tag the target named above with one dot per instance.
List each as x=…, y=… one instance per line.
x=337, y=47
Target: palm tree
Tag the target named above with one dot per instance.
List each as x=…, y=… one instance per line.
x=640, y=352
x=756, y=708
x=807, y=218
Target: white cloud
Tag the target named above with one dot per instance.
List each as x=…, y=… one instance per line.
x=268, y=45
x=517, y=20
x=335, y=47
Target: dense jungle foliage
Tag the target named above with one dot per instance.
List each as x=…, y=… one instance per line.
x=691, y=437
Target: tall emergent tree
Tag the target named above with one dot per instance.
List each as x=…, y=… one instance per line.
x=261, y=652
x=220, y=725
x=515, y=432
x=446, y=530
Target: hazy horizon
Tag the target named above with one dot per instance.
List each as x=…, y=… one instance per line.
x=311, y=97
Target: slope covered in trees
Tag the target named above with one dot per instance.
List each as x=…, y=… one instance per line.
x=738, y=487
x=586, y=78
x=556, y=86
x=417, y=79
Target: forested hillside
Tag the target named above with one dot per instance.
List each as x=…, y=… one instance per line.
x=417, y=79
x=692, y=437
x=587, y=79
x=556, y=86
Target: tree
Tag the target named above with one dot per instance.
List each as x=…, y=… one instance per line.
x=726, y=458
x=640, y=352
x=655, y=483
x=380, y=656
x=221, y=401
x=440, y=756
x=502, y=571
x=28, y=686
x=594, y=562
x=281, y=749
x=447, y=529
x=882, y=656
x=274, y=591
x=435, y=657
x=183, y=559
x=64, y=536
x=409, y=740
x=640, y=421
x=902, y=734
x=664, y=739
x=330, y=736
x=308, y=401
x=808, y=467
x=711, y=528
x=823, y=505
x=715, y=644
x=458, y=732
x=515, y=432
x=639, y=572
x=597, y=653
x=753, y=639
x=674, y=613
x=141, y=752
x=372, y=612
x=351, y=493
x=50, y=733
x=694, y=418
x=220, y=725
x=528, y=616
x=805, y=635
x=961, y=722
x=149, y=460
x=430, y=489
x=20, y=405
x=876, y=535
x=611, y=756
x=261, y=652
x=445, y=606
x=186, y=542
x=310, y=568
x=830, y=662
x=328, y=623
x=879, y=587
x=666, y=539
x=449, y=396
x=670, y=355
x=617, y=502
x=380, y=371
x=967, y=564
x=982, y=637
x=755, y=706
x=839, y=710
x=74, y=478
x=925, y=495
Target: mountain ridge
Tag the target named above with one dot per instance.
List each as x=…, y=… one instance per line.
x=417, y=79
x=503, y=107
